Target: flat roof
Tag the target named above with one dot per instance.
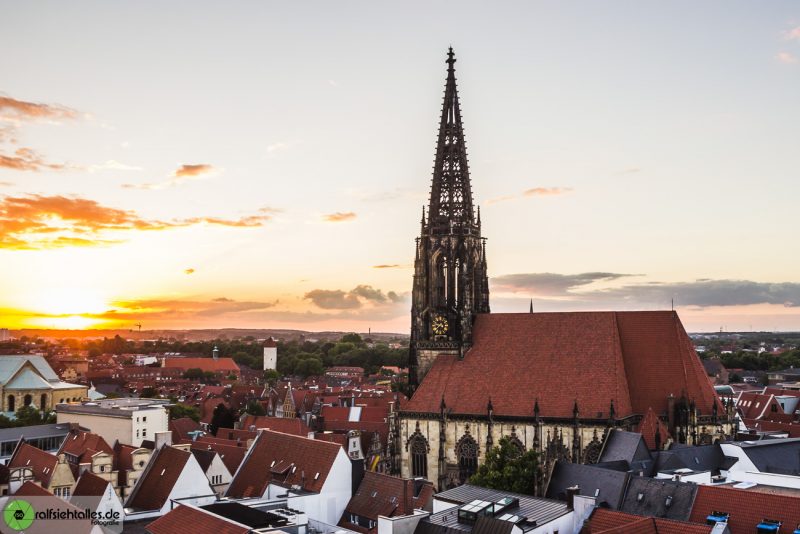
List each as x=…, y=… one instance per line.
x=122, y=407
x=34, y=431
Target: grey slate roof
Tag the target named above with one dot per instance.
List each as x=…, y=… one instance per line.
x=35, y=431
x=697, y=458
x=781, y=456
x=607, y=485
x=649, y=497
x=536, y=509
x=628, y=446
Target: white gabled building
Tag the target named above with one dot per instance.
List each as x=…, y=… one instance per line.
x=217, y=474
x=315, y=476
x=172, y=474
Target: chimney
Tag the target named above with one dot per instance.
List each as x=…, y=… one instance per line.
x=571, y=492
x=408, y=496
x=163, y=438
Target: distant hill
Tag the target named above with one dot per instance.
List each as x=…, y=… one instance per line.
x=202, y=334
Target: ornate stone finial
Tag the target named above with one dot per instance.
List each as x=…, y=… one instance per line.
x=531, y=310
x=612, y=413
x=575, y=411
x=489, y=407
x=451, y=58
x=442, y=406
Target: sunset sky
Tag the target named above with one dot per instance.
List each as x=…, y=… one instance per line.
x=264, y=164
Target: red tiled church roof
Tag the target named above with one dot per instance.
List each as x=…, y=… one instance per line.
x=635, y=358
x=746, y=508
x=649, y=426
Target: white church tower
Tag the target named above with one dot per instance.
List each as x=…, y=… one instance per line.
x=270, y=354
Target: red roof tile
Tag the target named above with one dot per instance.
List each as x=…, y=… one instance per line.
x=153, y=489
x=746, y=508
x=90, y=484
x=606, y=521
x=231, y=456
x=41, y=462
x=637, y=359
x=386, y=495
x=79, y=442
x=31, y=489
x=206, y=364
x=181, y=427
x=649, y=426
x=286, y=460
x=287, y=425
x=793, y=429
x=755, y=405
x=235, y=434
x=190, y=520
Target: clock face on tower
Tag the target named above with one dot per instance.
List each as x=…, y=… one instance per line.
x=439, y=325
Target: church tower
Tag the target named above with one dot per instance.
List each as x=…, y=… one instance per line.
x=450, y=281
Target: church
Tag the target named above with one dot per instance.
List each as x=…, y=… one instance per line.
x=556, y=383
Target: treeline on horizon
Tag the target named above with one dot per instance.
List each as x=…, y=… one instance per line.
x=295, y=358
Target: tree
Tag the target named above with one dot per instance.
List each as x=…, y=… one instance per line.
x=352, y=338
x=28, y=415
x=180, y=410
x=222, y=417
x=507, y=468
x=194, y=373
x=271, y=376
x=309, y=367
x=255, y=408
x=148, y=392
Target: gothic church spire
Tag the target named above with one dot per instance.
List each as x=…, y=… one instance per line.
x=451, y=191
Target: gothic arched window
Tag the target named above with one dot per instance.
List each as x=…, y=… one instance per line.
x=418, y=450
x=467, y=454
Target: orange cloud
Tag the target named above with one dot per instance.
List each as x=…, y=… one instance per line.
x=546, y=191
x=40, y=222
x=339, y=216
x=534, y=192
x=180, y=175
x=786, y=58
x=189, y=271
x=388, y=266
x=20, y=109
x=185, y=171
x=26, y=159
x=793, y=34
